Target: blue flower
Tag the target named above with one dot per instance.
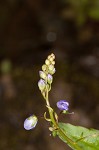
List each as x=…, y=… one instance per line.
x=63, y=105
x=30, y=122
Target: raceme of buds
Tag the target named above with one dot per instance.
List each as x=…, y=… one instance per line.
x=48, y=67
x=30, y=122
x=41, y=84
x=48, y=70
x=63, y=105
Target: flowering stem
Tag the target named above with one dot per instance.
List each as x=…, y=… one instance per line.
x=60, y=132
x=44, y=85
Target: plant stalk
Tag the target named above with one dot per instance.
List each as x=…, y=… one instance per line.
x=60, y=132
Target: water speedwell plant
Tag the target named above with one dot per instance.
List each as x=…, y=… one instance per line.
x=77, y=137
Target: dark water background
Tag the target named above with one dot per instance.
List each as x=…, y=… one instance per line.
x=29, y=31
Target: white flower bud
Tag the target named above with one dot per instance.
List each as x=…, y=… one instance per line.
x=51, y=69
x=49, y=57
x=41, y=84
x=47, y=62
x=42, y=75
x=49, y=79
x=53, y=62
x=44, y=67
x=30, y=122
x=52, y=55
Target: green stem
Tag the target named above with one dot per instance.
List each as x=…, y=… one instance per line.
x=50, y=111
x=61, y=133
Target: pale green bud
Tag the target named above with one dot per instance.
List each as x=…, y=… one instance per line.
x=47, y=62
x=42, y=75
x=52, y=57
x=41, y=84
x=51, y=69
x=53, y=62
x=49, y=79
x=49, y=57
x=44, y=68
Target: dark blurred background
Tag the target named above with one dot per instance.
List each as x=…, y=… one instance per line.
x=29, y=31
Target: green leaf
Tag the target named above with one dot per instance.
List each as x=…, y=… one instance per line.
x=86, y=139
